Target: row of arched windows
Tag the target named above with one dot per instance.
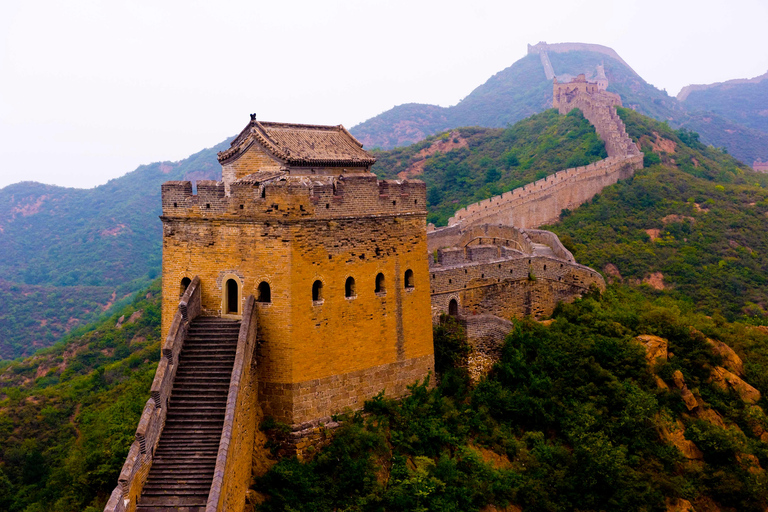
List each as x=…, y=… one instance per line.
x=380, y=286
x=231, y=302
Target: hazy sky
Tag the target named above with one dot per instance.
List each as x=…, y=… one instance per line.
x=89, y=90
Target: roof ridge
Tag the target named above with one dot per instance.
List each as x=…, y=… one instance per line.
x=324, y=127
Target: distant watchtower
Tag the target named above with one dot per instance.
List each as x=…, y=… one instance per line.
x=335, y=259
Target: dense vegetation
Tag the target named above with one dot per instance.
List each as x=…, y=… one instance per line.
x=695, y=215
x=569, y=419
x=522, y=89
x=493, y=161
x=68, y=414
x=76, y=247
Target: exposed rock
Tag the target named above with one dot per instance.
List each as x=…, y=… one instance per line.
x=674, y=433
x=710, y=416
x=679, y=505
x=724, y=379
x=134, y=316
x=508, y=508
x=120, y=321
x=655, y=280
x=678, y=379
x=749, y=462
x=612, y=272
x=653, y=233
x=688, y=398
x=655, y=348
x=660, y=383
x=731, y=360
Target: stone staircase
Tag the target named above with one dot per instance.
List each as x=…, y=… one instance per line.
x=183, y=465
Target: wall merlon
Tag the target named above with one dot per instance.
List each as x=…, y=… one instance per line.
x=290, y=198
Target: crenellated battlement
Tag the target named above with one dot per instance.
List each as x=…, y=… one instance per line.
x=290, y=197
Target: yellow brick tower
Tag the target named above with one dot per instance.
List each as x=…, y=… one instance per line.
x=335, y=258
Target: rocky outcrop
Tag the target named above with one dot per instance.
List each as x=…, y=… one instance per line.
x=673, y=432
x=731, y=360
x=725, y=380
x=679, y=505
x=655, y=348
x=690, y=401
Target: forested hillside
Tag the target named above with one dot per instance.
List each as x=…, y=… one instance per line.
x=578, y=414
x=692, y=222
x=470, y=164
x=68, y=414
x=70, y=254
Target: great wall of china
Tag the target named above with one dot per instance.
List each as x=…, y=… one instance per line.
x=541, y=202
x=262, y=314
x=489, y=265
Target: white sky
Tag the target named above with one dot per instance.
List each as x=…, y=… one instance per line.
x=90, y=89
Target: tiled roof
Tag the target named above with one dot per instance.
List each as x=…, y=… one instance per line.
x=259, y=177
x=301, y=144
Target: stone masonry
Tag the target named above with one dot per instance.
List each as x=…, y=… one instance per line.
x=297, y=218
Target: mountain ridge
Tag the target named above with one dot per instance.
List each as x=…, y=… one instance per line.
x=523, y=89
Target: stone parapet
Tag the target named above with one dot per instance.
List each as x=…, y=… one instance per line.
x=291, y=197
x=526, y=285
x=542, y=202
x=134, y=473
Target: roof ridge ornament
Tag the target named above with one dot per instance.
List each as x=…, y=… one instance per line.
x=253, y=117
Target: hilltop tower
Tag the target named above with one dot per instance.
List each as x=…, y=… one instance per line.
x=334, y=257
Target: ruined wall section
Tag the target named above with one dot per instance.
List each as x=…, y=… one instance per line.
x=541, y=202
x=515, y=287
x=455, y=236
x=543, y=46
x=599, y=109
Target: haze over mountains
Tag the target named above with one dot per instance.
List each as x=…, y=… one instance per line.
x=524, y=89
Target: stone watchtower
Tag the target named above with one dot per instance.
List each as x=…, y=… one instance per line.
x=334, y=257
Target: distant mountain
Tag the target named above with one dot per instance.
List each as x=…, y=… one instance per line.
x=523, y=89
x=70, y=254
x=743, y=101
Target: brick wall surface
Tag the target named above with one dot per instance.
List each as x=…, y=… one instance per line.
x=299, y=233
x=516, y=287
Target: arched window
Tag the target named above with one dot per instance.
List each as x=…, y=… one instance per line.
x=265, y=294
x=409, y=279
x=453, y=308
x=184, y=285
x=349, y=287
x=380, y=288
x=232, y=296
x=317, y=291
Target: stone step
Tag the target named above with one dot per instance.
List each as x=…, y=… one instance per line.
x=185, y=458
x=192, y=490
x=194, y=471
x=216, y=363
x=201, y=377
x=200, y=350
